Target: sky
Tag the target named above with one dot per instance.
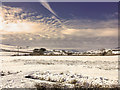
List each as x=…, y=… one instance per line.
x=60, y=25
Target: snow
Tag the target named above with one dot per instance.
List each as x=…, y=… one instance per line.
x=15, y=48
x=64, y=69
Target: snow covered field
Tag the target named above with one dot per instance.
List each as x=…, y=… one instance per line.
x=26, y=71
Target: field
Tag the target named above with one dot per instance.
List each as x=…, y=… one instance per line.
x=87, y=71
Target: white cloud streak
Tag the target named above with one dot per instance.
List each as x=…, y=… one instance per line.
x=47, y=6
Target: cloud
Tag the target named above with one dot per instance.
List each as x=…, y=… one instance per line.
x=50, y=31
x=52, y=28
x=106, y=32
x=14, y=22
x=33, y=28
x=91, y=24
x=111, y=16
x=45, y=27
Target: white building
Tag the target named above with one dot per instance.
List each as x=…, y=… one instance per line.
x=115, y=51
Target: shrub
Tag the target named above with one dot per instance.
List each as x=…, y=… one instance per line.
x=74, y=81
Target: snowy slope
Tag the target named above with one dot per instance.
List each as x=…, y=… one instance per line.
x=7, y=50
x=102, y=70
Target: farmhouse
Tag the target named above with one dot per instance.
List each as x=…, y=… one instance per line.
x=116, y=51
